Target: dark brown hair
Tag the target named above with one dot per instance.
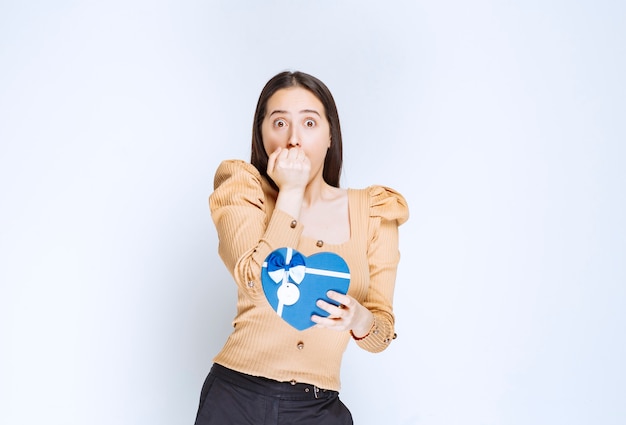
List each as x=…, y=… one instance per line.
x=287, y=79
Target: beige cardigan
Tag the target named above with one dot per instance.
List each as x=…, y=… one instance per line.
x=248, y=228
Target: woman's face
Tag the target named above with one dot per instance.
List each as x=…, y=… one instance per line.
x=296, y=117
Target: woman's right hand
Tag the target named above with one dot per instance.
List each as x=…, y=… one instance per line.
x=289, y=168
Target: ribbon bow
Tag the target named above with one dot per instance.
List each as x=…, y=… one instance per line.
x=281, y=268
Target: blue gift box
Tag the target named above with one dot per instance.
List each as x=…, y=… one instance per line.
x=293, y=283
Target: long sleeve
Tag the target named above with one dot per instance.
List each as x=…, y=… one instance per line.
x=239, y=210
x=388, y=210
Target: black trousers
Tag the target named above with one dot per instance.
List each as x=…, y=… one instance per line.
x=232, y=398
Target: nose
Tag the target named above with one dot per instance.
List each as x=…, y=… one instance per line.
x=294, y=139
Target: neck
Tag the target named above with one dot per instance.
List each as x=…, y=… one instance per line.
x=317, y=190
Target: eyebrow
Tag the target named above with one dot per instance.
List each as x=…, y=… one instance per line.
x=304, y=111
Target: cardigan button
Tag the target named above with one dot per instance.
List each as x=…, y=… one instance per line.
x=293, y=382
x=293, y=224
x=319, y=243
x=251, y=284
x=300, y=345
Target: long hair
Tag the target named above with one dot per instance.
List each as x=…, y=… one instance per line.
x=287, y=79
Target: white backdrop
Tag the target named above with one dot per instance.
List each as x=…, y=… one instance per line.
x=501, y=122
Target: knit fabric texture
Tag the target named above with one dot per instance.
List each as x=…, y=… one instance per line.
x=249, y=228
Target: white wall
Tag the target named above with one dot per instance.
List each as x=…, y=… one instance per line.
x=501, y=122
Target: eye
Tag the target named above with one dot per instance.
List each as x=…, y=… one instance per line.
x=280, y=123
x=309, y=123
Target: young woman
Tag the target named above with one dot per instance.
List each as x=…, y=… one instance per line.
x=288, y=196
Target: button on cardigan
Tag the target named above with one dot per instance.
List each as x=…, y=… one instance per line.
x=249, y=228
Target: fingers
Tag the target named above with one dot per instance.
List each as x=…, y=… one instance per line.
x=289, y=167
x=342, y=299
x=342, y=310
x=283, y=154
x=340, y=317
x=291, y=157
x=271, y=160
x=334, y=311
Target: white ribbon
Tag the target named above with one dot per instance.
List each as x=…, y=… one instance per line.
x=296, y=274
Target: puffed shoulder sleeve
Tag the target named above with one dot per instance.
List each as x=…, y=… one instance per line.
x=388, y=204
x=387, y=210
x=246, y=234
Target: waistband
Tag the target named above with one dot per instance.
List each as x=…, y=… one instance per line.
x=271, y=388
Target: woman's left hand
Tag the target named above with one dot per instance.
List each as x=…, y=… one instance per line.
x=349, y=315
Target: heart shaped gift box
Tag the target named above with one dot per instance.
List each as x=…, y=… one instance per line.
x=293, y=283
